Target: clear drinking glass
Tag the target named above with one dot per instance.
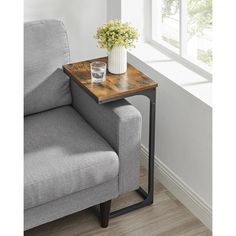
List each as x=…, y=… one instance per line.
x=98, y=71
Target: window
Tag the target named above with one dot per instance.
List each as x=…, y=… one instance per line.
x=184, y=29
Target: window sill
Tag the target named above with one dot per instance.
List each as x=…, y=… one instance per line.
x=149, y=60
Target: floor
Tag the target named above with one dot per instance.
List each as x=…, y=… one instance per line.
x=166, y=217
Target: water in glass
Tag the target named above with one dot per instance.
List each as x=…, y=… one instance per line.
x=98, y=71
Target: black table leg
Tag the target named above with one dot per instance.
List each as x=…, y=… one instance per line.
x=151, y=147
x=147, y=196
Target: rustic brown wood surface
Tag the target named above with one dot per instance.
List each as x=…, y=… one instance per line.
x=166, y=217
x=115, y=86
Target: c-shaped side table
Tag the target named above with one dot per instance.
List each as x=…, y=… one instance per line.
x=147, y=196
x=117, y=87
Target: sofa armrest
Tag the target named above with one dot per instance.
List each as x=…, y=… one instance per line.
x=119, y=123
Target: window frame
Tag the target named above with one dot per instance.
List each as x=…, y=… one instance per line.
x=179, y=55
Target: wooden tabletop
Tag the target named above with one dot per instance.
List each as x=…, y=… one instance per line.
x=115, y=86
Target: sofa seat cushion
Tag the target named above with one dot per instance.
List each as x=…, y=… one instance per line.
x=63, y=155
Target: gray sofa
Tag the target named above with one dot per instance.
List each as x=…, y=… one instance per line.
x=77, y=153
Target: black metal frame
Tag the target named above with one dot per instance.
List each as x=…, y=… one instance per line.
x=147, y=196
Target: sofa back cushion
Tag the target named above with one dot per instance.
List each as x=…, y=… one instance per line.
x=45, y=51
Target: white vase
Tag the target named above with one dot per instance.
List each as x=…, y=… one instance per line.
x=117, y=60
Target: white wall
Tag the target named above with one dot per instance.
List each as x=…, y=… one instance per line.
x=81, y=18
x=137, y=12
x=114, y=11
x=183, y=134
x=183, y=124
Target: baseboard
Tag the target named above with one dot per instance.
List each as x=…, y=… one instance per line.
x=180, y=190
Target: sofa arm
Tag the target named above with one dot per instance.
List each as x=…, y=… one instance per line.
x=119, y=123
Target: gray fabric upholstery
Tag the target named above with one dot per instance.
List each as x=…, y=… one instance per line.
x=63, y=155
x=79, y=155
x=45, y=51
x=120, y=124
x=70, y=204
